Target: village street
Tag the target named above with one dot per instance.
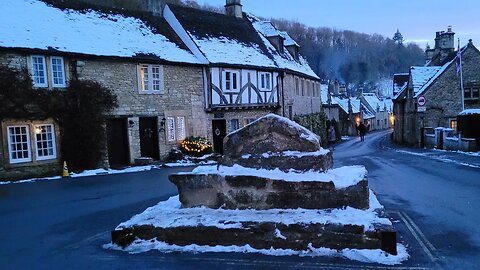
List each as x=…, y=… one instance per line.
x=432, y=197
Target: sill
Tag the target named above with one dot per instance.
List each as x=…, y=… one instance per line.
x=15, y=162
x=151, y=92
x=46, y=158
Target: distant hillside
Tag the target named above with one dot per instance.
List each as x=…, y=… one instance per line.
x=352, y=57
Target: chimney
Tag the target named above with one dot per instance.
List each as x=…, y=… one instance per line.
x=234, y=8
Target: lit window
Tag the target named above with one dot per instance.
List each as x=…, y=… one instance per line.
x=231, y=81
x=453, y=124
x=150, y=79
x=19, y=144
x=45, y=142
x=58, y=72
x=39, y=71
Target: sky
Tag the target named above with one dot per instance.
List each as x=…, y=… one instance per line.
x=417, y=20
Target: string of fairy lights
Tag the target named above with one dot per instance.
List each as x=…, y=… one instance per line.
x=195, y=146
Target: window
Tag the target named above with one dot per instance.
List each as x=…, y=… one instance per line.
x=176, y=128
x=297, y=86
x=453, y=124
x=150, y=79
x=233, y=125
x=471, y=93
x=19, y=144
x=39, y=71
x=385, y=121
x=303, y=88
x=248, y=121
x=45, y=142
x=231, y=81
x=265, y=81
x=57, y=72
x=378, y=123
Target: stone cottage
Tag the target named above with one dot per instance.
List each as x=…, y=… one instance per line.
x=382, y=108
x=433, y=96
x=253, y=69
x=157, y=80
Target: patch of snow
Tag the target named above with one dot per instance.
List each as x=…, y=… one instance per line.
x=35, y=25
x=470, y=111
x=321, y=152
x=112, y=171
x=32, y=180
x=170, y=214
x=342, y=177
x=279, y=234
x=189, y=163
x=362, y=255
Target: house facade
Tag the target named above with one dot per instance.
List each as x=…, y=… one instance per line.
x=252, y=68
x=158, y=83
x=433, y=97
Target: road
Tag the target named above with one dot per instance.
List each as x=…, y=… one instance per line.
x=431, y=196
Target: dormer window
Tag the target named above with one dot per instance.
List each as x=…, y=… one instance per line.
x=265, y=83
x=39, y=71
x=294, y=51
x=58, y=71
x=231, y=81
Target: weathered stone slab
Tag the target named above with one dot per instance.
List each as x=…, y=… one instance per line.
x=264, y=235
x=317, y=161
x=271, y=133
x=253, y=192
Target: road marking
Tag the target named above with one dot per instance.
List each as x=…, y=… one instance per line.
x=414, y=233
x=419, y=232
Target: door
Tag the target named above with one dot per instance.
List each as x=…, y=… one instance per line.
x=117, y=141
x=219, y=129
x=149, y=137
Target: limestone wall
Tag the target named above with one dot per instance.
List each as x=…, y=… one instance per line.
x=300, y=104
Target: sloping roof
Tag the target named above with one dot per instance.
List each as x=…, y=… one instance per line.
x=421, y=75
x=224, y=39
x=32, y=24
x=440, y=72
x=289, y=41
x=399, y=81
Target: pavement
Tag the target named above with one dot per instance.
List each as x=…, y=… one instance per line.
x=432, y=198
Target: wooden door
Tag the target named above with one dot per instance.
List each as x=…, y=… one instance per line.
x=219, y=129
x=117, y=140
x=149, y=137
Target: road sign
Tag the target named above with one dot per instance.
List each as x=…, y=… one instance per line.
x=421, y=101
x=421, y=109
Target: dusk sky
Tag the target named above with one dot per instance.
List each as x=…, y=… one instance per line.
x=417, y=20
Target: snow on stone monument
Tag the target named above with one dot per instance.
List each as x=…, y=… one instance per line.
x=274, y=188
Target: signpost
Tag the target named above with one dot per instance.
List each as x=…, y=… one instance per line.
x=421, y=102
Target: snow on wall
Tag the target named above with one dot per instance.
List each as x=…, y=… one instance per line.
x=33, y=24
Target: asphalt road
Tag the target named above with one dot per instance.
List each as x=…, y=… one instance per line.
x=431, y=196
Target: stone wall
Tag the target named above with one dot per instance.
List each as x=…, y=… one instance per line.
x=306, y=104
x=182, y=96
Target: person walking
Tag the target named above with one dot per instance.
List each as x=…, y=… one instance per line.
x=362, y=129
x=332, y=137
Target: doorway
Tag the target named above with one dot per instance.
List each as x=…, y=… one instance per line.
x=149, y=137
x=219, y=129
x=117, y=142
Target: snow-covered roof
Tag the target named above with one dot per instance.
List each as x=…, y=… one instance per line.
x=32, y=24
x=289, y=41
x=343, y=103
x=421, y=75
x=267, y=29
x=470, y=111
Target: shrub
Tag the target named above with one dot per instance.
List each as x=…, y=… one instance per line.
x=196, y=146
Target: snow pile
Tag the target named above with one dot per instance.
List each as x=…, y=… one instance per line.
x=170, y=214
x=34, y=25
x=342, y=177
x=320, y=152
x=362, y=255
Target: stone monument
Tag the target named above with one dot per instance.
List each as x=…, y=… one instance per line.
x=275, y=170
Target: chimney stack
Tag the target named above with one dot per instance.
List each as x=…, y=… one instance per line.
x=234, y=8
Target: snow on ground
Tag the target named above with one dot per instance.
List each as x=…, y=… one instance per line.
x=440, y=158
x=320, y=152
x=341, y=177
x=362, y=255
x=170, y=214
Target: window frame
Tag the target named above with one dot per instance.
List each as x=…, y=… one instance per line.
x=264, y=84
x=297, y=86
x=10, y=149
x=64, y=83
x=54, y=146
x=231, y=81
x=45, y=71
x=234, y=124
x=151, y=81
